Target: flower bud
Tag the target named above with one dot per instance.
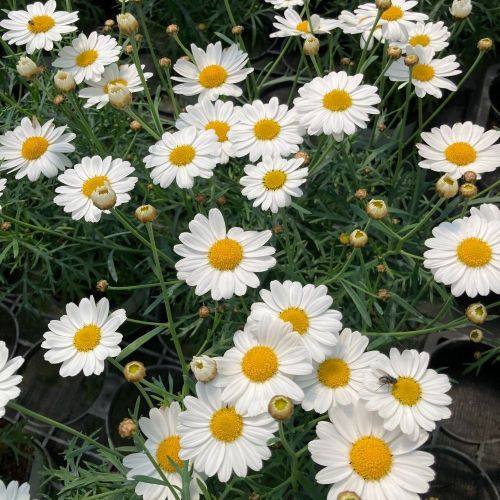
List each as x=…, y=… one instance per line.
x=135, y=126
x=384, y=294
x=200, y=198
x=129, y=50
x=202, y=26
x=381, y=126
x=302, y=155
x=146, y=213
x=127, y=428
x=446, y=186
x=476, y=313
x=58, y=100
x=127, y=23
x=411, y=60
x=381, y=268
x=5, y=226
x=358, y=238
x=360, y=193
x=119, y=95
x=311, y=45
x=460, y=9
x=203, y=312
x=27, y=68
x=470, y=176
x=485, y=44
x=348, y=495
x=64, y=81
x=477, y=355
x=165, y=62
x=101, y=285
x=237, y=30
x=468, y=190
x=280, y=408
x=172, y=29
x=204, y=368
x=104, y=197
x=134, y=371
x=376, y=209
x=344, y=238
x=383, y=4
x=221, y=200
x=394, y=52
x=138, y=38
x=345, y=61
x=278, y=229
x=109, y=23
x=476, y=336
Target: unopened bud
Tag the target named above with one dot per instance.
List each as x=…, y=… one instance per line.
x=477, y=355
x=468, y=190
x=200, y=199
x=221, y=200
x=344, y=239
x=384, y=294
x=104, y=197
x=476, y=313
x=278, y=229
x=58, y=100
x=383, y=4
x=27, y=68
x=5, y=226
x=172, y=29
x=360, y=193
x=202, y=26
x=348, y=495
x=358, y=238
x=138, y=37
x=237, y=30
x=146, y=213
x=64, y=81
x=460, y=9
x=119, y=95
x=470, y=176
x=134, y=371
x=109, y=23
x=345, y=61
x=446, y=186
x=476, y=336
x=394, y=52
x=381, y=268
x=376, y=209
x=411, y=60
x=203, y=312
x=165, y=62
x=485, y=44
x=127, y=428
x=127, y=23
x=135, y=125
x=204, y=368
x=302, y=155
x=129, y=50
x=381, y=126
x=311, y=45
x=280, y=407
x=101, y=285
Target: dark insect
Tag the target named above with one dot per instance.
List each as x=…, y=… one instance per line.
x=387, y=380
x=31, y=22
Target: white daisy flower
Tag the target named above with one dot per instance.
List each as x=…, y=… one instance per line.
x=85, y=177
x=395, y=21
x=273, y=182
x=39, y=26
x=14, y=491
x=213, y=73
x=487, y=211
x=339, y=378
x=293, y=25
x=222, y=262
x=126, y=74
x=87, y=57
x=405, y=393
x=218, y=116
x=182, y=156
x=306, y=308
x=285, y=4
x=261, y=365
x=428, y=76
x=220, y=440
x=465, y=254
x=32, y=150
x=336, y=104
x=351, y=23
x=8, y=381
x=83, y=338
x=266, y=130
x=360, y=455
x=434, y=35
x=461, y=148
x=3, y=183
x=163, y=444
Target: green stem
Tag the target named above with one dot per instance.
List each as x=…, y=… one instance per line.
x=370, y=36
x=295, y=461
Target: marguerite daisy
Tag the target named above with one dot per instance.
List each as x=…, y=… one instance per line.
x=395, y=21
x=182, y=156
x=465, y=254
x=266, y=130
x=3, y=183
x=163, y=444
x=293, y=25
x=459, y=149
x=213, y=73
x=284, y=4
x=8, y=381
x=220, y=440
x=83, y=338
x=406, y=393
x=14, y=491
x=306, y=308
x=39, y=26
x=222, y=262
x=87, y=57
x=434, y=35
x=32, y=150
x=85, y=177
x=361, y=456
x=126, y=74
x=351, y=23
x=428, y=75
x=339, y=378
x=487, y=211
x=273, y=182
x=218, y=116
x=261, y=365
x=336, y=104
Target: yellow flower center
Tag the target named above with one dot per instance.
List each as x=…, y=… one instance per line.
x=371, y=458
x=393, y=13
x=87, y=338
x=86, y=58
x=41, y=24
x=260, y=363
x=90, y=185
x=422, y=40
x=333, y=373
x=225, y=255
x=474, y=252
x=266, y=129
x=120, y=81
x=212, y=76
x=34, y=147
x=297, y=317
x=274, y=179
x=407, y=391
x=220, y=128
x=337, y=100
x=183, y=155
x=423, y=72
x=226, y=425
x=460, y=153
x=169, y=448
x=303, y=27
